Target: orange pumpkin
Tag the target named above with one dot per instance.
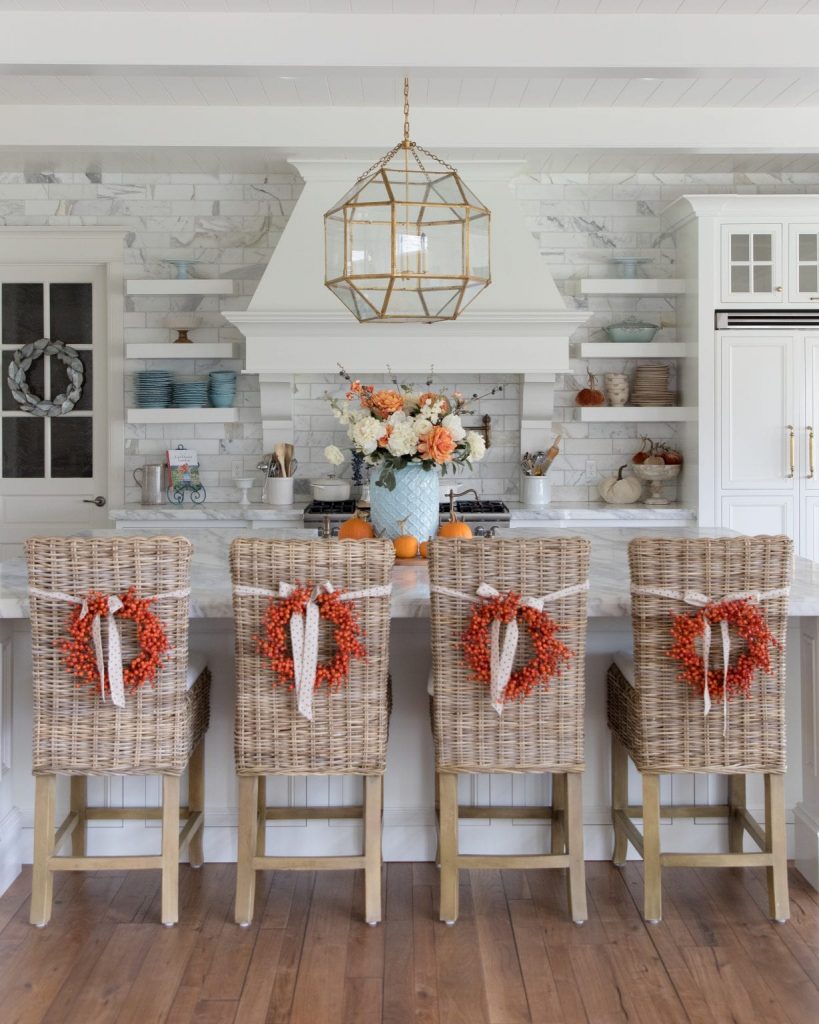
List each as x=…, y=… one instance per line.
x=590, y=396
x=406, y=546
x=356, y=528
x=424, y=549
x=454, y=528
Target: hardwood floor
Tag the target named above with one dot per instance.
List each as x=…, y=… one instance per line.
x=513, y=958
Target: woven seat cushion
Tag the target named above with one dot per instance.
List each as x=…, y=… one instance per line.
x=624, y=660
x=197, y=664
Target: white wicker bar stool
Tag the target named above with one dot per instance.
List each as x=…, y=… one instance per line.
x=666, y=726
x=543, y=733
x=159, y=728
x=282, y=729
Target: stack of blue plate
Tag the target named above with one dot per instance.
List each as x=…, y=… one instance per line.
x=190, y=392
x=153, y=388
x=222, y=388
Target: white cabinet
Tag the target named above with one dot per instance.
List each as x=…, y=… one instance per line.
x=803, y=263
x=768, y=400
x=752, y=269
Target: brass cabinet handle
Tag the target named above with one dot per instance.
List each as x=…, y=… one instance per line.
x=791, y=451
x=779, y=288
x=811, y=459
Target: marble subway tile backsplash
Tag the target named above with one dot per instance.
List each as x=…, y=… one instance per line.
x=230, y=224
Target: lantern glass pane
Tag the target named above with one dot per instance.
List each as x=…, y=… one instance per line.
x=374, y=190
x=369, y=240
x=445, y=249
x=333, y=247
x=478, y=262
x=352, y=300
x=471, y=292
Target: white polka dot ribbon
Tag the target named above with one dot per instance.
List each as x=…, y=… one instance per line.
x=698, y=600
x=114, y=668
x=502, y=655
x=304, y=632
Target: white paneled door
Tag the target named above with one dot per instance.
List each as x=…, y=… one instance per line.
x=54, y=469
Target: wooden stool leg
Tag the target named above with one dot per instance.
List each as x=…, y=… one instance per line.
x=448, y=783
x=736, y=801
x=248, y=825
x=559, y=813
x=437, y=820
x=42, y=882
x=170, y=849
x=574, y=834
x=79, y=802
x=261, y=816
x=196, y=802
x=619, y=797
x=775, y=843
x=372, y=848
x=652, y=873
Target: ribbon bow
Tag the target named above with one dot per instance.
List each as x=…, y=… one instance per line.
x=699, y=600
x=502, y=655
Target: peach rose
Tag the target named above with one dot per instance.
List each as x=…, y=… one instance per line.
x=433, y=396
x=385, y=403
x=436, y=446
x=384, y=440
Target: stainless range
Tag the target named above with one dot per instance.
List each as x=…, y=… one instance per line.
x=483, y=515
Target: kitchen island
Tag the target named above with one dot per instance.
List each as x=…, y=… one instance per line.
x=409, y=822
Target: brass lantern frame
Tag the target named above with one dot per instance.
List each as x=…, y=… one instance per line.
x=413, y=197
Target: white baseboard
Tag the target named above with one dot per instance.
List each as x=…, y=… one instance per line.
x=10, y=859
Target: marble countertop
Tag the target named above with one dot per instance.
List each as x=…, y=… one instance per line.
x=608, y=595
x=557, y=511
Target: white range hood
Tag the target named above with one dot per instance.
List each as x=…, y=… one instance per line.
x=293, y=324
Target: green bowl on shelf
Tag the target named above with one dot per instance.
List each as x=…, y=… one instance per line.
x=632, y=331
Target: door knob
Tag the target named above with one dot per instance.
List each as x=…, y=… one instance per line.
x=99, y=501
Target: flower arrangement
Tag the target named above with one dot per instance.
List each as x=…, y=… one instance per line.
x=394, y=427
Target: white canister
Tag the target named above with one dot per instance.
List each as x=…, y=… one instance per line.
x=536, y=490
x=278, y=490
x=616, y=385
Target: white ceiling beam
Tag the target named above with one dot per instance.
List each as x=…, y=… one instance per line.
x=96, y=40
x=321, y=130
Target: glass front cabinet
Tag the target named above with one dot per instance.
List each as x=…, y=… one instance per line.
x=803, y=263
x=752, y=264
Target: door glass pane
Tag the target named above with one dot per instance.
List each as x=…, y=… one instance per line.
x=23, y=446
x=59, y=380
x=71, y=313
x=762, y=247
x=71, y=453
x=740, y=247
x=740, y=279
x=762, y=279
x=807, y=247
x=808, y=278
x=22, y=313
x=35, y=377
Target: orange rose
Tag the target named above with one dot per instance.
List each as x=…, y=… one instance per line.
x=385, y=403
x=432, y=396
x=436, y=446
x=385, y=439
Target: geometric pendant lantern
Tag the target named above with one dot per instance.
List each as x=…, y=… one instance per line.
x=409, y=241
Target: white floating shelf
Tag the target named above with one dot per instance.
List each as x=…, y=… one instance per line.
x=192, y=350
x=179, y=286
x=637, y=414
x=183, y=415
x=632, y=286
x=633, y=350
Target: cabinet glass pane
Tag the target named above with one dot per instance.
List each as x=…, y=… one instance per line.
x=23, y=447
x=762, y=247
x=22, y=311
x=35, y=377
x=740, y=248
x=807, y=247
x=71, y=452
x=740, y=279
x=763, y=279
x=808, y=279
x=71, y=313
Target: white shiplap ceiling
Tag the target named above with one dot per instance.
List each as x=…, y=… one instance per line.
x=348, y=90
x=462, y=7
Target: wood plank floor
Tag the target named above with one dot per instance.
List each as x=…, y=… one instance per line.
x=513, y=957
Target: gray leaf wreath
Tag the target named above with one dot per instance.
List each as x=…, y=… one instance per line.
x=20, y=365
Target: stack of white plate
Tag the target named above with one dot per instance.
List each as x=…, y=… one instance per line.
x=153, y=389
x=190, y=392
x=651, y=385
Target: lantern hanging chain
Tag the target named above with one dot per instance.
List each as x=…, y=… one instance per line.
x=407, y=142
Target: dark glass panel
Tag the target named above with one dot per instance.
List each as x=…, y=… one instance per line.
x=71, y=451
x=71, y=313
x=59, y=379
x=23, y=446
x=35, y=377
x=22, y=313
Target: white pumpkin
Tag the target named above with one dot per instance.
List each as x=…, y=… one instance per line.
x=621, y=490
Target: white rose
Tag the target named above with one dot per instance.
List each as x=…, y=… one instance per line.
x=366, y=432
x=476, y=445
x=452, y=423
x=334, y=455
x=421, y=426
x=402, y=440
